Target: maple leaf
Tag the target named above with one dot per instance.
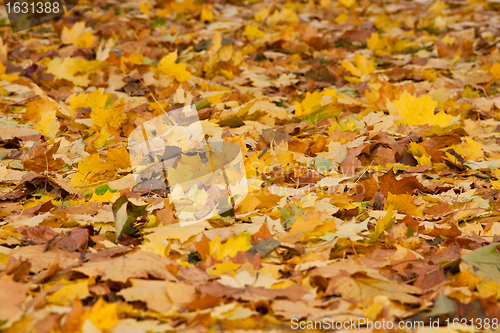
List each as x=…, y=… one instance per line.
x=12, y=296
x=119, y=157
x=359, y=287
x=313, y=108
x=126, y=214
x=105, y=113
x=470, y=150
x=310, y=222
x=372, y=198
x=361, y=67
x=70, y=291
x=168, y=66
x=486, y=261
x=420, y=111
x=419, y=152
x=43, y=113
x=78, y=35
x=92, y=170
x=39, y=159
x=139, y=264
x=383, y=223
x=252, y=32
x=76, y=71
x=403, y=203
x=153, y=293
x=104, y=315
x=229, y=249
x=7, y=77
x=495, y=71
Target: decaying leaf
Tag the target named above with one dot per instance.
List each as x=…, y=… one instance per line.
x=361, y=181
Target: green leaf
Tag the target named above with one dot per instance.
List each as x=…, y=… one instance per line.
x=232, y=122
x=322, y=164
x=442, y=307
x=101, y=190
x=147, y=61
x=290, y=215
x=109, y=101
x=485, y=261
x=204, y=103
x=323, y=112
x=382, y=224
x=126, y=214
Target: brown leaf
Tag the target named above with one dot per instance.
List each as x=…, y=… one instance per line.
x=139, y=264
x=299, y=146
x=151, y=292
x=262, y=234
x=38, y=235
x=407, y=184
x=367, y=188
x=12, y=296
x=45, y=263
x=359, y=288
x=383, y=155
x=270, y=135
x=40, y=158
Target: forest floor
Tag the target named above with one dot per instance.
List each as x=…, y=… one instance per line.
x=367, y=189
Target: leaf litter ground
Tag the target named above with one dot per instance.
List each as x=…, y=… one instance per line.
x=369, y=133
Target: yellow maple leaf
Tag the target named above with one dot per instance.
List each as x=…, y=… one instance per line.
x=309, y=105
x=420, y=154
x=231, y=247
x=104, y=315
x=106, y=197
x=168, y=66
x=69, y=35
x=92, y=170
x=488, y=289
x=376, y=43
x=286, y=15
x=248, y=204
x=252, y=32
x=495, y=71
x=347, y=3
x=228, y=268
x=78, y=35
x=145, y=7
x=74, y=70
x=226, y=52
x=206, y=14
x=466, y=279
x=312, y=103
x=7, y=77
x=361, y=66
x=470, y=150
x=119, y=157
x=179, y=7
x=310, y=222
x=403, y=203
x=420, y=111
x=42, y=112
x=86, y=40
x=79, y=101
x=112, y=116
x=496, y=184
x=48, y=124
x=102, y=138
x=67, y=294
